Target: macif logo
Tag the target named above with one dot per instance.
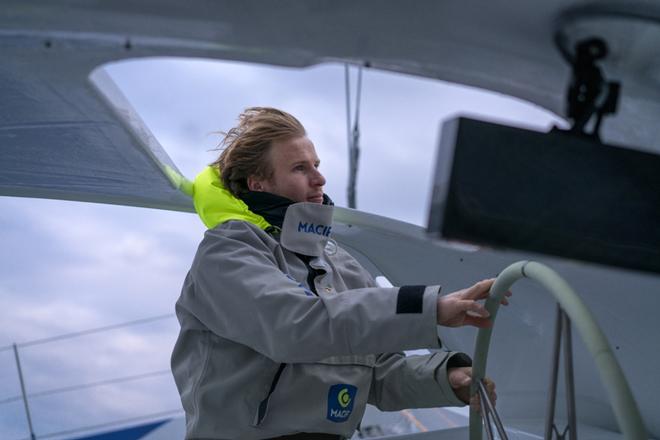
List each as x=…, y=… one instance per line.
x=340, y=402
x=311, y=228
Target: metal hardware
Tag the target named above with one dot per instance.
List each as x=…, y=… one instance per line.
x=562, y=331
x=488, y=411
x=589, y=94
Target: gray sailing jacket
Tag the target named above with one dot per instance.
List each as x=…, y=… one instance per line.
x=271, y=345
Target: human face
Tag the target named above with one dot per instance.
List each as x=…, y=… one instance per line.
x=295, y=172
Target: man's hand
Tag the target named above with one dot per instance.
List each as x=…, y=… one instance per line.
x=461, y=307
x=460, y=380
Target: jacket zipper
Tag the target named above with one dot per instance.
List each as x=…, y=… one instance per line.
x=263, y=406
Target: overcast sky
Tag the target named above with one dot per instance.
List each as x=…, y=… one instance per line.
x=68, y=266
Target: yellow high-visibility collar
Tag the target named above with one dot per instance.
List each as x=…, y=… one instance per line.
x=215, y=204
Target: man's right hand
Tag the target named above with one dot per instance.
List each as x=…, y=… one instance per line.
x=460, y=380
x=461, y=307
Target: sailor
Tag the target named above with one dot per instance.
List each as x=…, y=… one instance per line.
x=283, y=333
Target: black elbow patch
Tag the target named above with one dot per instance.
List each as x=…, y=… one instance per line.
x=410, y=299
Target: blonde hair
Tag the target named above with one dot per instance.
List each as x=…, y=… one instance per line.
x=245, y=148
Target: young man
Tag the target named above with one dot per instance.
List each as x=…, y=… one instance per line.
x=283, y=333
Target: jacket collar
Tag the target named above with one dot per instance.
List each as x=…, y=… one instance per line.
x=216, y=205
x=271, y=207
x=306, y=228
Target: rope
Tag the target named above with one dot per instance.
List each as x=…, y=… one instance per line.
x=92, y=384
x=89, y=331
x=87, y=385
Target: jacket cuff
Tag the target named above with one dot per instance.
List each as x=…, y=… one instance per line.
x=431, y=294
x=459, y=360
x=421, y=300
x=442, y=378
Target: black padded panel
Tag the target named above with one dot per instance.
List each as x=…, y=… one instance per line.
x=554, y=193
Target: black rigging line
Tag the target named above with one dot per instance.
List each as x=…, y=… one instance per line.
x=90, y=331
x=353, y=134
x=88, y=385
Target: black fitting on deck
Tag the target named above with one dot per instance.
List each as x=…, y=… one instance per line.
x=589, y=94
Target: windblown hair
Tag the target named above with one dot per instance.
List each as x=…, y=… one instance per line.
x=246, y=147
